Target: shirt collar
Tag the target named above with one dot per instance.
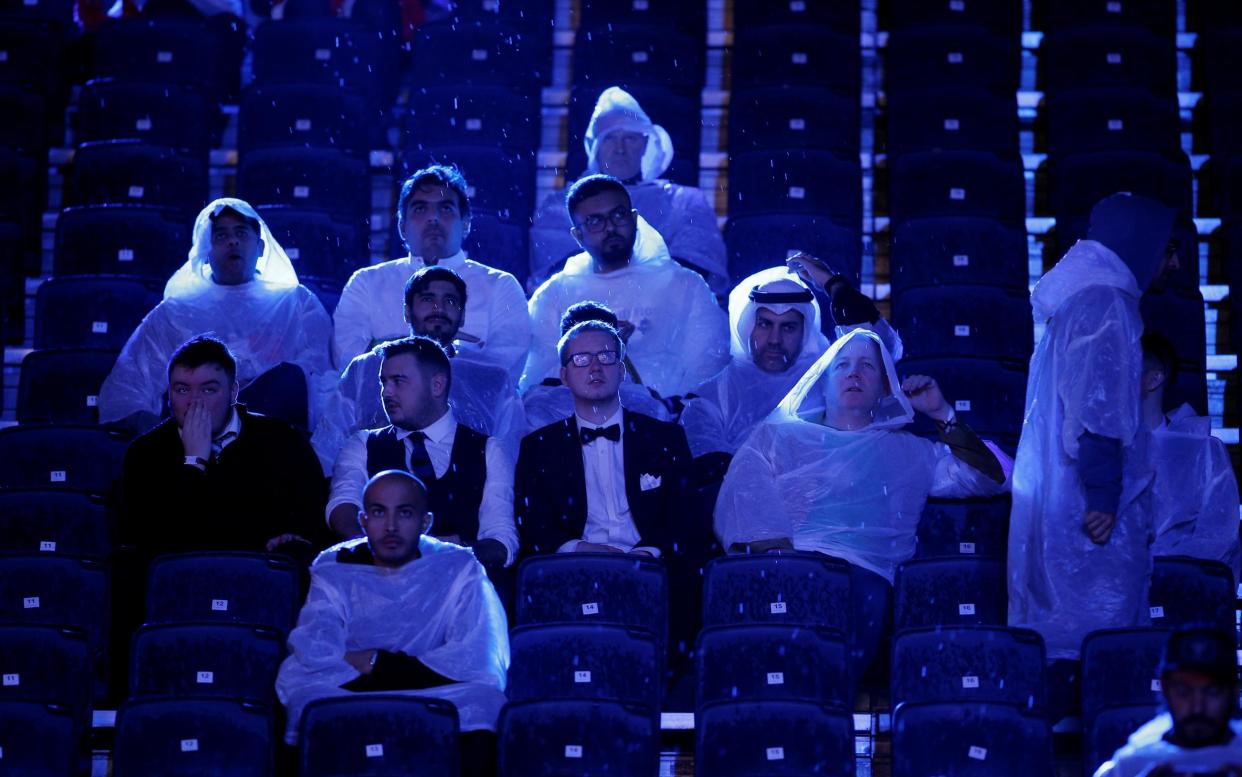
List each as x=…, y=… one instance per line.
x=454, y=262
x=437, y=431
x=615, y=418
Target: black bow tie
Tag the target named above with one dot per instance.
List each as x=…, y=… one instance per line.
x=589, y=434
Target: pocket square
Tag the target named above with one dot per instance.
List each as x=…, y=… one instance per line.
x=647, y=482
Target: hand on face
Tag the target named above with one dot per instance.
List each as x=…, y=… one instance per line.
x=196, y=430
x=925, y=397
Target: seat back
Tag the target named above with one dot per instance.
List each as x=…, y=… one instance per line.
x=578, y=737
x=55, y=522
x=1120, y=667
x=37, y=739
x=972, y=740
x=250, y=588
x=86, y=459
x=378, y=734
x=61, y=385
x=205, y=659
x=969, y=664
x=756, y=662
x=773, y=737
x=1188, y=590
x=785, y=589
x=192, y=738
x=949, y=592
x=578, y=661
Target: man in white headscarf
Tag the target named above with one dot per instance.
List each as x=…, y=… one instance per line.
x=239, y=286
x=1080, y=530
x=676, y=334
x=622, y=141
x=831, y=472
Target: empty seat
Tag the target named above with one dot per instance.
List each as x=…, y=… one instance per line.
x=1223, y=111
x=1004, y=18
x=205, y=659
x=312, y=178
x=305, y=115
x=318, y=245
x=463, y=115
x=678, y=111
x=793, y=117
x=577, y=661
x=86, y=459
x=61, y=386
x=964, y=527
x=590, y=588
x=377, y=734
x=758, y=242
x=792, y=55
x=37, y=739
x=965, y=321
x=842, y=18
x=55, y=522
x=1089, y=57
x=951, y=55
x=48, y=664
x=687, y=18
x=249, y=588
x=578, y=737
x=332, y=52
x=477, y=53
x=136, y=173
x=1156, y=16
x=497, y=242
x=501, y=181
x=1188, y=590
x=192, y=738
x=987, y=395
x=638, y=55
x=785, y=589
x=156, y=50
x=36, y=130
x=773, y=737
x=1229, y=182
x=23, y=202
x=1220, y=57
x=952, y=118
x=279, y=393
x=796, y=181
x=969, y=664
x=34, y=54
x=91, y=311
x=1110, y=729
x=949, y=592
x=1120, y=666
x=533, y=16
x=974, y=740
x=957, y=184
x=951, y=251
x=756, y=662
x=163, y=114
x=121, y=240
x=1129, y=119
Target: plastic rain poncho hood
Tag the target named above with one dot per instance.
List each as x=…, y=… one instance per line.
x=680, y=332
x=267, y=321
x=440, y=608
x=854, y=495
x=616, y=110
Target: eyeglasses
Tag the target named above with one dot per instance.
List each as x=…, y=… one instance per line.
x=619, y=216
x=583, y=358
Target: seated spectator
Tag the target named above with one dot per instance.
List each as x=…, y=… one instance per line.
x=216, y=477
x=239, y=286
x=482, y=395
x=678, y=332
x=551, y=400
x=1199, y=682
x=1195, y=493
x=831, y=472
x=433, y=216
x=399, y=611
x=621, y=141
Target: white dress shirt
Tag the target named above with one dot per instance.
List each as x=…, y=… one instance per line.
x=495, y=509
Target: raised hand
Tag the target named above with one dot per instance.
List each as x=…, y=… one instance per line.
x=925, y=397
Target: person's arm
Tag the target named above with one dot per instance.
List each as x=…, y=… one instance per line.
x=1099, y=469
x=349, y=477
x=498, y=537
x=352, y=330
x=925, y=397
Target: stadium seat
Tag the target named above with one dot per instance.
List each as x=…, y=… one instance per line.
x=957, y=184
x=497, y=242
x=1003, y=19
x=1204, y=16
x=1120, y=666
x=969, y=664
x=1179, y=315
x=1223, y=113
x=842, y=18
x=330, y=52
x=192, y=738
x=61, y=386
x=987, y=395
x=952, y=118
x=249, y=588
x=578, y=661
x=85, y=459
x=793, y=117
x=686, y=18
x=969, y=740
x=38, y=740
x=593, y=588
x=757, y=662
x=959, y=591
x=91, y=311
x=317, y=244
x=773, y=737
x=34, y=54
x=281, y=392
x=951, y=55
x=578, y=737
x=303, y=115
x=795, y=181
x=1090, y=57
x=477, y=53
x=22, y=203
x=796, y=55
x=48, y=664
x=1229, y=184
x=1156, y=16
x=377, y=734
x=1219, y=57
x=59, y=12
x=532, y=16
x=55, y=522
x=121, y=240
x=638, y=55
x=786, y=589
x=160, y=113
x=964, y=527
x=501, y=181
x=205, y=659
x=307, y=178
x=758, y=242
x=37, y=130
x=463, y=115
x=1188, y=590
x=965, y=321
x=1110, y=729
x=156, y=50
x=952, y=251
x=677, y=111
x=134, y=173
x=1128, y=119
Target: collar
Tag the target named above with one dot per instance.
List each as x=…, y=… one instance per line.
x=615, y=418
x=232, y=428
x=454, y=262
x=437, y=431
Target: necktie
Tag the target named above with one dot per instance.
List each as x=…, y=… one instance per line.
x=587, y=434
x=420, y=461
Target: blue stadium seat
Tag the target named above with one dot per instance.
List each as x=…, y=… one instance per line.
x=477, y=53
x=55, y=522
x=1179, y=315
x=37, y=130
x=577, y=661
x=1223, y=112
x=686, y=18
x=91, y=311
x=809, y=117
x=163, y=114
x=1220, y=56
x=1188, y=590
x=56, y=11
x=677, y=111
x=134, y=173
x=35, y=55
x=757, y=242
x=952, y=251
x=1120, y=666
x=786, y=589
x=49, y=664
x=85, y=459
x=578, y=737
x=594, y=588
x=1229, y=182
x=957, y=184
x=305, y=115
x=317, y=244
x=969, y=664
x=842, y=18
x=497, y=243
x=987, y=395
x=377, y=734
x=121, y=240
x=38, y=740
x=61, y=386
x=532, y=16
x=1156, y=16
x=796, y=181
x=464, y=115
x=756, y=662
x=281, y=392
x=773, y=737
x=969, y=740
x=330, y=52
x=192, y=738
x=796, y=55
x=249, y=588
x=1204, y=16
x=965, y=321
x=1110, y=729
x=959, y=591
x=157, y=50
x=951, y=55
x=638, y=55
x=964, y=527
x=1126, y=119
x=205, y=659
x=501, y=181
x=1003, y=18
x=1089, y=57
x=952, y=118
x=23, y=202
x=309, y=178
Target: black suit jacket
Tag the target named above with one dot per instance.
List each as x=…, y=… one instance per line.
x=549, y=487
